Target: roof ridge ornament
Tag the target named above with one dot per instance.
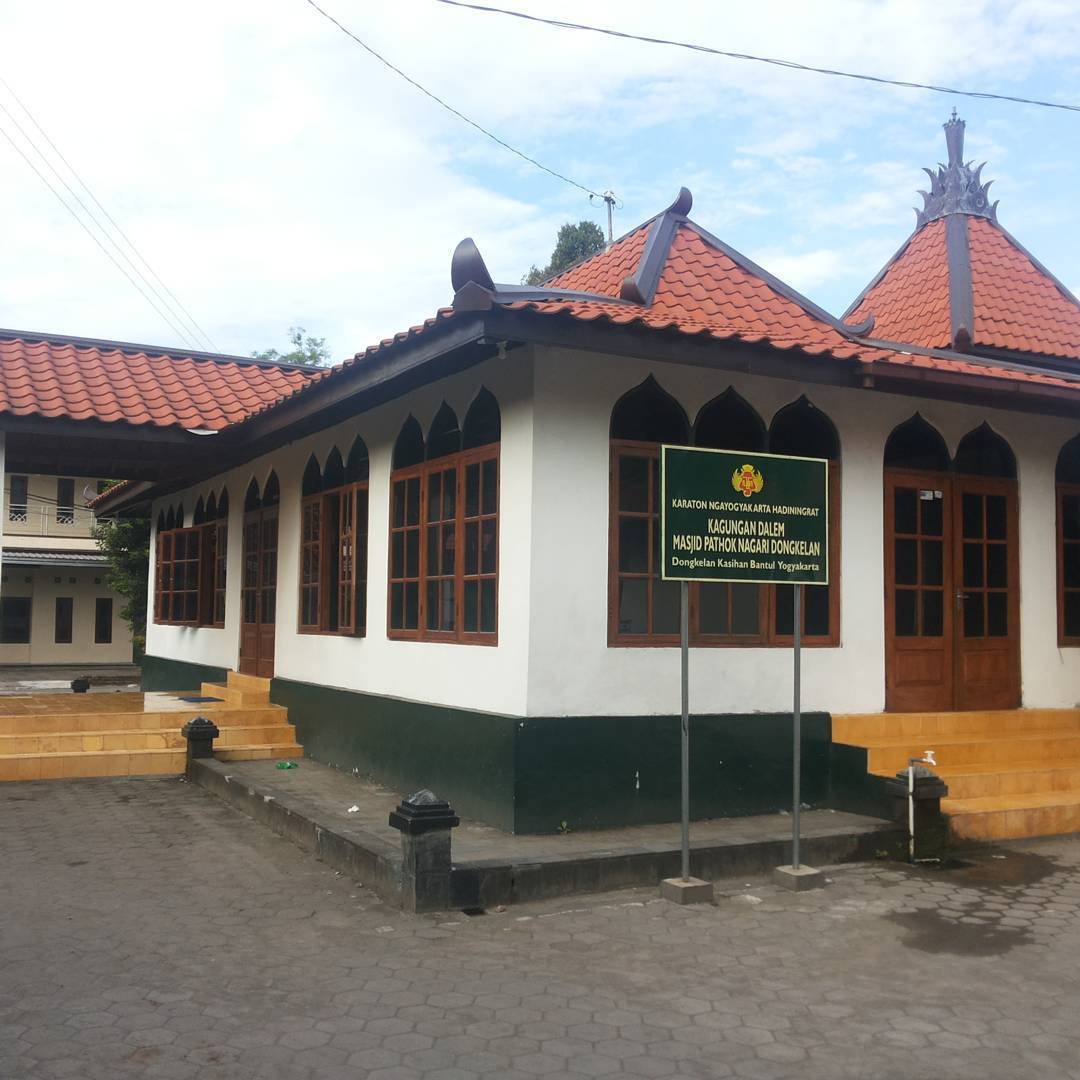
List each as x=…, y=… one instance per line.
x=955, y=188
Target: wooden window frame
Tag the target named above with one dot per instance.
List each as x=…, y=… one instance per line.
x=165, y=592
x=1061, y=492
x=767, y=636
x=458, y=464
x=330, y=546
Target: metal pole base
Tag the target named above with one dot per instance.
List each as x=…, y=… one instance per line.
x=798, y=878
x=691, y=891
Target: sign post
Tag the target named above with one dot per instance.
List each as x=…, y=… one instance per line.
x=737, y=516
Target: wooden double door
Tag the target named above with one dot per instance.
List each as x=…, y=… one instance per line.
x=952, y=610
x=258, y=593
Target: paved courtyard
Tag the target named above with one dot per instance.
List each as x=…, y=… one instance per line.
x=150, y=931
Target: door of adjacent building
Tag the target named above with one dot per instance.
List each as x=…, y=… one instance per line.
x=258, y=588
x=952, y=614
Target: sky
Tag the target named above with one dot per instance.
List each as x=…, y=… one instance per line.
x=274, y=174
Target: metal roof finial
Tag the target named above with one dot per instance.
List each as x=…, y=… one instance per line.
x=955, y=188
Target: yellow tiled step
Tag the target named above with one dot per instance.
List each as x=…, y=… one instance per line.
x=1015, y=778
x=91, y=763
x=974, y=749
x=231, y=695
x=249, y=684
x=1004, y=817
x=77, y=742
x=283, y=750
x=858, y=727
x=55, y=723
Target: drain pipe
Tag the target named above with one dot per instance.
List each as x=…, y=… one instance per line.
x=926, y=759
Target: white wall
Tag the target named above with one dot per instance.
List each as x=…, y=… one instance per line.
x=572, y=671
x=471, y=676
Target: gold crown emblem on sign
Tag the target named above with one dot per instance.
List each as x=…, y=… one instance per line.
x=747, y=481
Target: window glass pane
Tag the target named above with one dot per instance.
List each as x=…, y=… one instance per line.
x=397, y=607
x=816, y=602
x=399, y=504
x=633, y=606
x=433, y=605
x=470, y=615
x=412, y=553
x=490, y=486
x=933, y=615
x=397, y=555
x=1072, y=614
x=665, y=607
x=433, y=550
x=932, y=517
x=487, y=606
x=1070, y=517
x=634, y=545
x=906, y=505
x=434, y=497
x=63, y=619
x=906, y=625
x=449, y=486
x=744, y=609
x=785, y=609
x=633, y=483
x=472, y=490
x=907, y=562
x=932, y=565
x=412, y=605
x=448, y=549
x=995, y=517
x=1071, y=559
x=973, y=566
x=974, y=615
x=996, y=561
x=15, y=620
x=103, y=615
x=412, y=501
x=488, y=547
x=472, y=547
x=713, y=608
x=972, y=514
x=997, y=614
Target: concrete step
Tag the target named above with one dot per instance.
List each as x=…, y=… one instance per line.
x=249, y=684
x=1012, y=817
x=232, y=695
x=854, y=728
x=165, y=739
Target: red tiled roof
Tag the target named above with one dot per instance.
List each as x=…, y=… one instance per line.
x=702, y=290
x=110, y=383
x=910, y=302
x=1017, y=305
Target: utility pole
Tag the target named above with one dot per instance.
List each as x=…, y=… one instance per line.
x=609, y=198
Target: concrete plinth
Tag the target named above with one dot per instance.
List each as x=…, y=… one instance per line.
x=691, y=891
x=798, y=880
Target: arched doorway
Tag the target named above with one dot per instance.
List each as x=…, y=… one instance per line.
x=258, y=590
x=951, y=572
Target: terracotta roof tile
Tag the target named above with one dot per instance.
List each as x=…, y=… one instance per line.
x=106, y=382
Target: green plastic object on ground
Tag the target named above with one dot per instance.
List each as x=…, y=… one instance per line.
x=287, y=765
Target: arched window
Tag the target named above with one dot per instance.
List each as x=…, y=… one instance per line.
x=199, y=516
x=801, y=430
x=223, y=506
x=252, y=501
x=918, y=446
x=189, y=581
x=1067, y=475
x=271, y=494
x=211, y=507
x=983, y=452
x=333, y=544
x=170, y=519
x=444, y=527
x=161, y=522
x=642, y=609
x=729, y=423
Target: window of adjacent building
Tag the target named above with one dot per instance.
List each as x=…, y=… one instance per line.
x=444, y=527
x=189, y=585
x=15, y=620
x=63, y=619
x=65, y=501
x=642, y=608
x=17, y=498
x=103, y=620
x=1068, y=543
x=333, y=544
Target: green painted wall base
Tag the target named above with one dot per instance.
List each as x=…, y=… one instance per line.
x=161, y=673
x=533, y=775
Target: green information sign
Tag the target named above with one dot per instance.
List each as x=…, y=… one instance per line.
x=731, y=515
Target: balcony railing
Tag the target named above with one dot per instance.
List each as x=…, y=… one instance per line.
x=24, y=520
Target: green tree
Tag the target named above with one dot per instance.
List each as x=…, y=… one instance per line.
x=574, y=243
x=126, y=543
x=309, y=351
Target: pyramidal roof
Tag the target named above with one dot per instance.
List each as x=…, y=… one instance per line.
x=668, y=273
x=962, y=282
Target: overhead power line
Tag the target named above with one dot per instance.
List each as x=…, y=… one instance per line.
x=563, y=24
x=93, y=236
x=450, y=108
x=176, y=309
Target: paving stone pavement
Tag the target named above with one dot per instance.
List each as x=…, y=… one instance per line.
x=150, y=931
